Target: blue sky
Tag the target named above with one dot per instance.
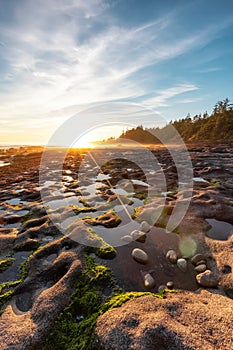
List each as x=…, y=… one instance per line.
x=58, y=57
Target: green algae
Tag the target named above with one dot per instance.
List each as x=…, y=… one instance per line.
x=5, y=297
x=4, y=264
x=101, y=219
x=7, y=289
x=216, y=182
x=136, y=213
x=74, y=328
x=77, y=210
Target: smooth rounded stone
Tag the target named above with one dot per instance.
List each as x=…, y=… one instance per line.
x=138, y=236
x=207, y=279
x=162, y=287
x=145, y=227
x=196, y=258
x=182, y=264
x=149, y=281
x=201, y=262
x=127, y=238
x=171, y=256
x=200, y=268
x=140, y=256
x=170, y=284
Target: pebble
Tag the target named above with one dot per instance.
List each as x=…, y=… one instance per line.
x=201, y=262
x=127, y=238
x=196, y=258
x=162, y=287
x=200, y=268
x=207, y=279
x=79, y=318
x=170, y=284
x=182, y=264
x=145, y=227
x=140, y=256
x=172, y=256
x=138, y=236
x=149, y=281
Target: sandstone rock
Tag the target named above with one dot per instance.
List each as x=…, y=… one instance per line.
x=222, y=252
x=200, y=268
x=172, y=256
x=140, y=256
x=182, y=264
x=28, y=319
x=149, y=281
x=181, y=321
x=27, y=245
x=207, y=279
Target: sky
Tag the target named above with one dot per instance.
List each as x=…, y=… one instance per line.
x=60, y=58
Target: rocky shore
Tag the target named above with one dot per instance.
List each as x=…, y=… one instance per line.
x=75, y=243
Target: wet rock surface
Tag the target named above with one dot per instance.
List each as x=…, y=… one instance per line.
x=46, y=221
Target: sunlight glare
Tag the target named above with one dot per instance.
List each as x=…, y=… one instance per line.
x=93, y=138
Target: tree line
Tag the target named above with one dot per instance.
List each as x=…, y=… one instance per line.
x=218, y=126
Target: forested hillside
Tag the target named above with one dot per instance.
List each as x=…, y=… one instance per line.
x=203, y=127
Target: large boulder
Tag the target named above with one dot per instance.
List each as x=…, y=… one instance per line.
x=184, y=321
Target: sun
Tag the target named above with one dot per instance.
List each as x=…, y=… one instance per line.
x=94, y=137
x=84, y=141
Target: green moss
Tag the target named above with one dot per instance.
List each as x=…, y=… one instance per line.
x=77, y=210
x=140, y=196
x=216, y=182
x=87, y=304
x=23, y=267
x=84, y=202
x=103, y=220
x=4, y=264
x=6, y=285
x=68, y=334
x=7, y=289
x=27, y=217
x=5, y=297
x=136, y=213
x=105, y=251
x=119, y=299
x=117, y=217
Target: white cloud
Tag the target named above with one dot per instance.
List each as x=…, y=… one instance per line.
x=164, y=95
x=65, y=54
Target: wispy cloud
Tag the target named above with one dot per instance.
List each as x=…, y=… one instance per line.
x=210, y=69
x=165, y=95
x=68, y=54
